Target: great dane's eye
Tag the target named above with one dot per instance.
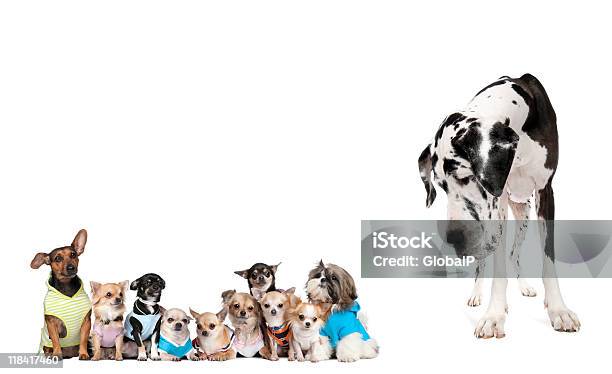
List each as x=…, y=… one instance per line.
x=266, y=305
x=170, y=320
x=301, y=317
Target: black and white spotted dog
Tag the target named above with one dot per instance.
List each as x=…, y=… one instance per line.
x=499, y=151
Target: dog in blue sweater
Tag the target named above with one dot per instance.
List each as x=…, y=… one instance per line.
x=344, y=334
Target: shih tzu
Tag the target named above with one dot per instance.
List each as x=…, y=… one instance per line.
x=343, y=332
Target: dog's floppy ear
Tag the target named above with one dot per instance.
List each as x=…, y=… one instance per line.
x=275, y=267
x=227, y=295
x=134, y=284
x=222, y=314
x=426, y=166
x=243, y=273
x=490, y=152
x=258, y=294
x=78, y=244
x=39, y=259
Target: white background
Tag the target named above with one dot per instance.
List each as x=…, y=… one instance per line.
x=195, y=138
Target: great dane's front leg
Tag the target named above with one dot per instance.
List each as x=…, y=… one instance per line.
x=476, y=295
x=520, y=211
x=561, y=317
x=492, y=323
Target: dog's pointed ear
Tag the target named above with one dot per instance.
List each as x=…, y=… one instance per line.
x=226, y=296
x=490, y=152
x=290, y=291
x=95, y=286
x=243, y=273
x=321, y=264
x=124, y=286
x=258, y=294
x=222, y=314
x=194, y=313
x=426, y=165
x=275, y=267
x=78, y=244
x=39, y=259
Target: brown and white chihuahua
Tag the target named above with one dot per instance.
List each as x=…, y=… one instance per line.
x=57, y=340
x=275, y=306
x=305, y=321
x=246, y=317
x=108, y=309
x=215, y=339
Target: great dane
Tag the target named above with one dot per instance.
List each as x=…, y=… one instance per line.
x=502, y=149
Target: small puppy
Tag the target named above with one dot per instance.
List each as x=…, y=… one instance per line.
x=246, y=318
x=67, y=306
x=275, y=306
x=215, y=340
x=142, y=323
x=260, y=276
x=343, y=332
x=174, y=341
x=306, y=321
x=108, y=309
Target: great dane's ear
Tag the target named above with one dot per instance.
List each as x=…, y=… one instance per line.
x=426, y=168
x=490, y=152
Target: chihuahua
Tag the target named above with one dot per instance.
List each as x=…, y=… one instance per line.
x=246, y=318
x=142, y=323
x=215, y=339
x=275, y=306
x=67, y=306
x=305, y=321
x=260, y=276
x=174, y=341
x=108, y=309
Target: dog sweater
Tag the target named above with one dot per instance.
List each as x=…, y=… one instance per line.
x=249, y=348
x=175, y=349
x=281, y=334
x=70, y=309
x=107, y=333
x=148, y=322
x=343, y=323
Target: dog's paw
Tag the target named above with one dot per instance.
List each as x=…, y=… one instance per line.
x=83, y=356
x=95, y=357
x=474, y=299
x=526, y=289
x=563, y=319
x=491, y=325
x=119, y=358
x=347, y=356
x=176, y=359
x=155, y=357
x=142, y=357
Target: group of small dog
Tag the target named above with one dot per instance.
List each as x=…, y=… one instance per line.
x=265, y=322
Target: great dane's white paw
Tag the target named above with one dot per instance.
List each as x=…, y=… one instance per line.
x=526, y=288
x=491, y=325
x=474, y=299
x=563, y=319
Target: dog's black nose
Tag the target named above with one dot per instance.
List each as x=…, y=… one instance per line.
x=273, y=312
x=155, y=286
x=261, y=278
x=242, y=313
x=205, y=333
x=70, y=267
x=178, y=326
x=118, y=300
x=307, y=324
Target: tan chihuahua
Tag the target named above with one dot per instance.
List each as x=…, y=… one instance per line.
x=108, y=309
x=215, y=339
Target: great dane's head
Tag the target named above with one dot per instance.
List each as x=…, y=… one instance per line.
x=470, y=159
